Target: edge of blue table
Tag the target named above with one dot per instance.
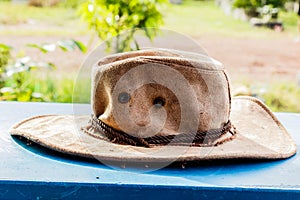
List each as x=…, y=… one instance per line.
x=35, y=173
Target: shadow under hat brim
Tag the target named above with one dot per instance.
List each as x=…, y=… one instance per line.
x=260, y=136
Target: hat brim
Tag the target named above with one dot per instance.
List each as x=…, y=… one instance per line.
x=260, y=136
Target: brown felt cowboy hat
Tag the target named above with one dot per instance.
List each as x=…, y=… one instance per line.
x=161, y=105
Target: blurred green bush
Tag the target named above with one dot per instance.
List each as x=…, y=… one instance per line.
x=251, y=6
x=18, y=80
x=111, y=18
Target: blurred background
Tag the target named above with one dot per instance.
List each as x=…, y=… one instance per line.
x=44, y=42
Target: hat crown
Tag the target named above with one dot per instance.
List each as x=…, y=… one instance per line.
x=160, y=92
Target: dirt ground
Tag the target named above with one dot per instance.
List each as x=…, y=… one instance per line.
x=257, y=59
x=246, y=59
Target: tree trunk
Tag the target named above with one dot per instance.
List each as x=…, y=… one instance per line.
x=299, y=8
x=298, y=16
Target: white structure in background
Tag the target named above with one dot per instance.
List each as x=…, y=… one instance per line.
x=292, y=6
x=237, y=13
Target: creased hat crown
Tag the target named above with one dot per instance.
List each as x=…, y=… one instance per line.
x=129, y=90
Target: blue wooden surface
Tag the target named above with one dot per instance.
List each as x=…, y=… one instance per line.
x=34, y=173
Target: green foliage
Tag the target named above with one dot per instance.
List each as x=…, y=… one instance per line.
x=258, y=3
x=4, y=55
x=4, y=58
x=110, y=18
x=65, y=45
x=37, y=89
x=17, y=77
x=279, y=97
x=289, y=18
x=283, y=97
x=82, y=90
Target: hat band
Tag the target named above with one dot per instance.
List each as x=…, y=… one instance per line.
x=205, y=138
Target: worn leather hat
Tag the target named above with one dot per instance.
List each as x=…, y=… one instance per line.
x=161, y=105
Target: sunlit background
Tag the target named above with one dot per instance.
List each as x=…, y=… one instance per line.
x=43, y=43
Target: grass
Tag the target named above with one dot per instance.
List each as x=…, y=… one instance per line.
x=42, y=21
x=198, y=18
x=16, y=13
x=57, y=90
x=38, y=87
x=209, y=19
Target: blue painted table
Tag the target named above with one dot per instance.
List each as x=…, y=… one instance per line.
x=38, y=174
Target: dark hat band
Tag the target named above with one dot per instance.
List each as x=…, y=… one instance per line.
x=205, y=138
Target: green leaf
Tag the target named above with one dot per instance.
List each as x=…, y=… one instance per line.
x=51, y=66
x=70, y=45
x=45, y=48
x=66, y=45
x=5, y=47
x=7, y=90
x=24, y=95
x=36, y=46
x=36, y=65
x=24, y=60
x=80, y=46
x=14, y=70
x=37, y=95
x=49, y=47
